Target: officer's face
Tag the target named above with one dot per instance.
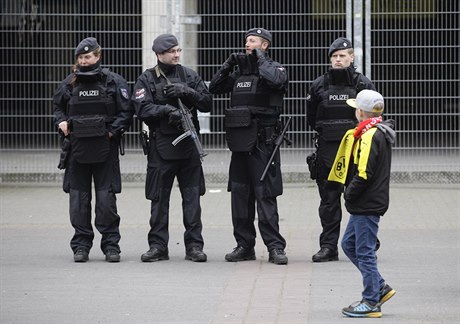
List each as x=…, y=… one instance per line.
x=87, y=59
x=171, y=56
x=342, y=59
x=253, y=42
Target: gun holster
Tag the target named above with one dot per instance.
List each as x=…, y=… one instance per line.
x=145, y=142
x=312, y=165
x=65, y=151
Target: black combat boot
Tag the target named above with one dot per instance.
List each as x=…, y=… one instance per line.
x=277, y=256
x=326, y=254
x=196, y=254
x=241, y=254
x=154, y=254
x=81, y=255
x=112, y=255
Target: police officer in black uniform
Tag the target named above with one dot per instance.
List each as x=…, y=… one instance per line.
x=330, y=116
x=92, y=110
x=155, y=98
x=252, y=124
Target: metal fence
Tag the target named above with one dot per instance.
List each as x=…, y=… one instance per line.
x=410, y=49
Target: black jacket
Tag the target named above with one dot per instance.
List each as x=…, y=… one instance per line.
x=150, y=111
x=367, y=192
x=117, y=88
x=272, y=73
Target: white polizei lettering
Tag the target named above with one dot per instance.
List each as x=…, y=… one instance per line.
x=335, y=97
x=88, y=93
x=243, y=84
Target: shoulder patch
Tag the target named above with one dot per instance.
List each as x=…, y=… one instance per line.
x=140, y=93
x=124, y=93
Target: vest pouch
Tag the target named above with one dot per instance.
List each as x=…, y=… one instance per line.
x=241, y=129
x=89, y=139
x=334, y=130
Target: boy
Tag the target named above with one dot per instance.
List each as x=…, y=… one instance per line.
x=363, y=163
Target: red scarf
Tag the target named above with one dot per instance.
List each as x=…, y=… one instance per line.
x=365, y=125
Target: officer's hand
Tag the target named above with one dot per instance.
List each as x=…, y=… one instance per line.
x=230, y=62
x=259, y=53
x=64, y=127
x=176, y=90
x=174, y=117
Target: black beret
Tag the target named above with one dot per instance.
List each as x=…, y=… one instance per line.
x=163, y=43
x=339, y=44
x=87, y=45
x=259, y=32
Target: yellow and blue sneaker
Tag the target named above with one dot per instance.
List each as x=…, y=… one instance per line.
x=362, y=309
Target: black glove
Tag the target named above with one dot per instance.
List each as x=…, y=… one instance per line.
x=228, y=65
x=176, y=90
x=259, y=53
x=174, y=116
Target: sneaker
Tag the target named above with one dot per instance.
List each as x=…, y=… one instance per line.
x=112, y=255
x=154, y=254
x=277, y=256
x=241, y=254
x=195, y=254
x=362, y=309
x=81, y=255
x=325, y=254
x=385, y=293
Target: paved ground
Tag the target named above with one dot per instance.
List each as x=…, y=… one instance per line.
x=40, y=283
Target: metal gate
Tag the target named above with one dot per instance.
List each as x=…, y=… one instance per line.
x=410, y=49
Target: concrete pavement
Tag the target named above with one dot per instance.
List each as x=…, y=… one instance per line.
x=40, y=283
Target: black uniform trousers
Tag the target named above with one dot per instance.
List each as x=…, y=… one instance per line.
x=107, y=181
x=330, y=209
x=247, y=189
x=159, y=182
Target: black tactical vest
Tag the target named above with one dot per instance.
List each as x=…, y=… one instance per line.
x=90, y=109
x=251, y=92
x=334, y=117
x=161, y=99
x=165, y=133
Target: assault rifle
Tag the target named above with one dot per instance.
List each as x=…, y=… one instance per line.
x=189, y=130
x=186, y=121
x=278, y=141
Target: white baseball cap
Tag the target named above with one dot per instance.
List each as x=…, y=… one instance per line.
x=368, y=100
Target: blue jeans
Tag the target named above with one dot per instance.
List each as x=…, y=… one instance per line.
x=358, y=244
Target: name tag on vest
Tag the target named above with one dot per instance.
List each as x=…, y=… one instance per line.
x=88, y=93
x=338, y=97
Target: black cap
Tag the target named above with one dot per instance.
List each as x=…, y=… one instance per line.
x=339, y=44
x=87, y=45
x=163, y=43
x=259, y=32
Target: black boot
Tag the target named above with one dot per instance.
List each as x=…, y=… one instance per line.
x=241, y=254
x=195, y=254
x=277, y=256
x=81, y=255
x=326, y=254
x=154, y=254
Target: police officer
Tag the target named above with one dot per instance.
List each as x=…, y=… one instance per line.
x=252, y=124
x=330, y=116
x=92, y=108
x=156, y=98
